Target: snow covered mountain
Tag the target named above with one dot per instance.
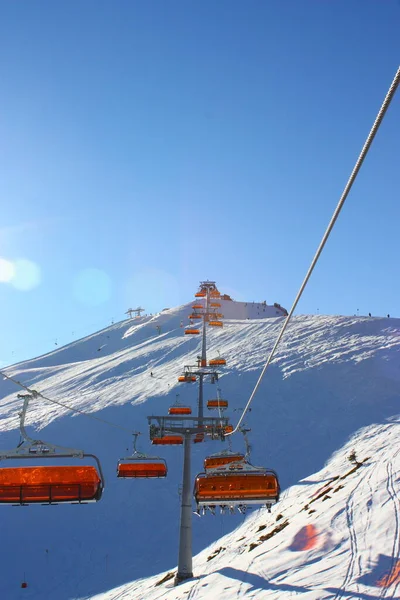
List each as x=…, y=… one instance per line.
x=332, y=387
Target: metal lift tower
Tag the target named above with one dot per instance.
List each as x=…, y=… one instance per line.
x=187, y=427
x=191, y=428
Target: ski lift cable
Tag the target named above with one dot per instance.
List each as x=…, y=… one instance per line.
x=35, y=393
x=385, y=105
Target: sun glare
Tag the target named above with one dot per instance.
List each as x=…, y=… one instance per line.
x=26, y=275
x=6, y=270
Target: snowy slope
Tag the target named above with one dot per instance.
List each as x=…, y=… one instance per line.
x=334, y=535
x=249, y=310
x=332, y=376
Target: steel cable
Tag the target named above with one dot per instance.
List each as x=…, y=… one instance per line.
x=360, y=160
x=36, y=394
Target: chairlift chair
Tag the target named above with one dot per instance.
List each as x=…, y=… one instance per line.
x=167, y=440
x=43, y=484
x=217, y=362
x=179, y=410
x=140, y=465
x=222, y=458
x=187, y=378
x=217, y=403
x=215, y=323
x=237, y=484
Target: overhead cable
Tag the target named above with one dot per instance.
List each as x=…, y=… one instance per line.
x=360, y=160
x=35, y=394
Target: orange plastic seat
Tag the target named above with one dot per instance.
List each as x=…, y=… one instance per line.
x=199, y=437
x=25, y=485
x=187, y=378
x=214, y=461
x=179, y=410
x=215, y=324
x=137, y=469
x=192, y=331
x=197, y=306
x=217, y=362
x=194, y=316
x=211, y=404
x=236, y=488
x=215, y=304
x=168, y=440
x=200, y=294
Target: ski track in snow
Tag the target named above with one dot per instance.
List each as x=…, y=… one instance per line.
x=334, y=382
x=395, y=556
x=357, y=495
x=354, y=552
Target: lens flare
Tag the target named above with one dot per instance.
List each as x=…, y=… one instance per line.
x=26, y=275
x=6, y=270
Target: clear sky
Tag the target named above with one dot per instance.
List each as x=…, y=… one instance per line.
x=147, y=145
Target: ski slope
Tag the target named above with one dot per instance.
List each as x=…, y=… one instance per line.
x=333, y=386
x=334, y=535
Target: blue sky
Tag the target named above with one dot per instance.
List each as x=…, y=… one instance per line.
x=145, y=146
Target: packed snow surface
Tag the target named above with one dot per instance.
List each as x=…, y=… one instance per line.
x=333, y=387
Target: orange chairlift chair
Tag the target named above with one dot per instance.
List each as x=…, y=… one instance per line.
x=39, y=484
x=140, y=465
x=230, y=481
x=222, y=458
x=218, y=361
x=215, y=294
x=215, y=323
x=179, y=409
x=236, y=484
x=217, y=403
x=187, y=378
x=226, y=457
x=195, y=316
x=168, y=440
